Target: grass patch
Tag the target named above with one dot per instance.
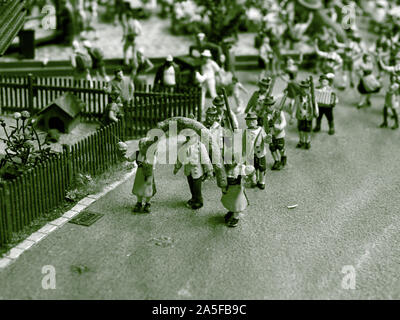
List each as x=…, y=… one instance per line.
x=82, y=186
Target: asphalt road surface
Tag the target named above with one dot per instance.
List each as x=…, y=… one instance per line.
x=347, y=191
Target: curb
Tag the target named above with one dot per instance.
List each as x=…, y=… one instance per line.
x=43, y=232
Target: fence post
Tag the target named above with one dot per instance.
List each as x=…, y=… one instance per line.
x=30, y=92
x=8, y=210
x=67, y=151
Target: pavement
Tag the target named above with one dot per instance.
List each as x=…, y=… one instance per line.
x=346, y=189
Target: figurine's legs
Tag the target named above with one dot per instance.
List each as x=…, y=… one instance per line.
x=385, y=115
x=319, y=120
x=395, y=118
x=329, y=116
x=195, y=190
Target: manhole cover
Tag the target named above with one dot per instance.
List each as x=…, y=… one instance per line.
x=86, y=218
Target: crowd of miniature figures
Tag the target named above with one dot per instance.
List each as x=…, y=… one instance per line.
x=339, y=62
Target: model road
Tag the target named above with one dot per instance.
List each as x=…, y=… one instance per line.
x=347, y=190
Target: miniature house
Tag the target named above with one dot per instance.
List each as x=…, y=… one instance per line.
x=62, y=114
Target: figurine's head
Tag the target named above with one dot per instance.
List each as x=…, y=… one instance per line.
x=206, y=54
x=304, y=87
x=331, y=77
x=169, y=60
x=290, y=62
x=266, y=40
x=75, y=45
x=264, y=84
x=140, y=52
x=269, y=103
x=118, y=74
x=323, y=80
x=212, y=115
x=251, y=120
x=200, y=37
x=87, y=44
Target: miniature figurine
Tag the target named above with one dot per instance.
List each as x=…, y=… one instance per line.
x=123, y=86
x=326, y=100
x=267, y=58
x=391, y=102
x=66, y=22
x=132, y=30
x=202, y=45
x=113, y=110
x=234, y=197
x=368, y=84
x=209, y=69
x=197, y=168
x=229, y=53
x=97, y=56
x=395, y=68
x=274, y=124
x=140, y=65
x=255, y=103
x=167, y=75
x=351, y=52
x=82, y=63
x=237, y=87
x=305, y=109
x=292, y=88
x=254, y=149
x=332, y=62
x=144, y=187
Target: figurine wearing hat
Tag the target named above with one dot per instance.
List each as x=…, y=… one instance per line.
x=202, y=45
x=350, y=52
x=274, y=124
x=197, y=167
x=234, y=197
x=254, y=148
x=369, y=83
x=305, y=109
x=121, y=85
x=144, y=187
x=168, y=74
x=97, y=56
x=132, y=30
x=140, y=65
x=332, y=60
x=81, y=62
x=326, y=99
x=256, y=102
x=207, y=77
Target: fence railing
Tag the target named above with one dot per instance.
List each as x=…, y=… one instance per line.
x=44, y=187
x=150, y=105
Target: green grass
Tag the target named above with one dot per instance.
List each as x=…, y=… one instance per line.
x=80, y=189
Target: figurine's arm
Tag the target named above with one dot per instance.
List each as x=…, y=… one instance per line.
x=149, y=64
x=205, y=160
x=385, y=67
x=295, y=106
x=241, y=87
x=282, y=122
